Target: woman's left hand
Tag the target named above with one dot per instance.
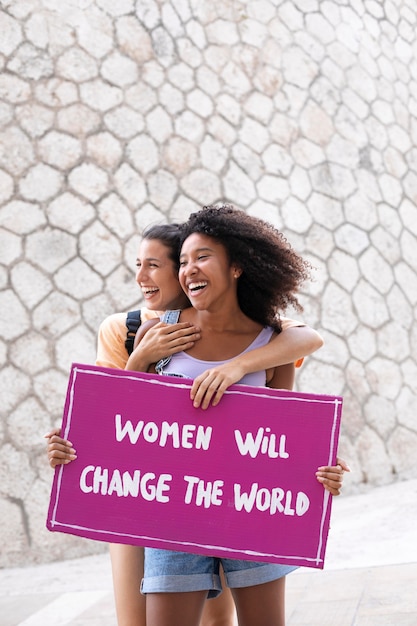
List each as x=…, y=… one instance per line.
x=331, y=477
x=211, y=384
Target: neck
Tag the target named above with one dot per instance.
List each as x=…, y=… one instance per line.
x=221, y=320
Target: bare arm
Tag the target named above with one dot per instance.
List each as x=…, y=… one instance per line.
x=285, y=348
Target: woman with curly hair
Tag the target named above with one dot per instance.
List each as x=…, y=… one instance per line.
x=157, y=276
x=239, y=273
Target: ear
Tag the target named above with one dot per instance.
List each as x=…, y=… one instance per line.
x=237, y=272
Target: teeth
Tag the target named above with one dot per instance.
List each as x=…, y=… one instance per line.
x=147, y=290
x=194, y=286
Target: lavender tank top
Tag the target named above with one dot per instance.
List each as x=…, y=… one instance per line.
x=186, y=366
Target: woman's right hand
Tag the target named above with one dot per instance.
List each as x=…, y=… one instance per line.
x=154, y=342
x=60, y=451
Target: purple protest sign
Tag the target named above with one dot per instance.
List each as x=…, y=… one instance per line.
x=237, y=480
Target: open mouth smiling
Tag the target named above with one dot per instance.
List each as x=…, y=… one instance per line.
x=148, y=291
x=196, y=287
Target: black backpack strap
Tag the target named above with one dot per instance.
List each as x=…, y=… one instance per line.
x=133, y=322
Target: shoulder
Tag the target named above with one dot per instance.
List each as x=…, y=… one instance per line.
x=187, y=315
x=114, y=323
x=111, y=351
x=147, y=314
x=144, y=329
x=287, y=322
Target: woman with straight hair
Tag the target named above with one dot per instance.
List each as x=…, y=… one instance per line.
x=157, y=276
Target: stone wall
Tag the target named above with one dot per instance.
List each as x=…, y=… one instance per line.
x=115, y=114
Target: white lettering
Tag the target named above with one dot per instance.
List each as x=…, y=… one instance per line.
x=127, y=429
x=115, y=484
x=149, y=486
x=192, y=480
x=206, y=494
x=288, y=510
x=283, y=454
x=302, y=504
x=263, y=499
x=83, y=484
x=277, y=496
x=150, y=432
x=131, y=484
x=244, y=500
x=203, y=437
x=265, y=442
x=185, y=436
x=271, y=500
x=250, y=445
x=101, y=480
x=170, y=430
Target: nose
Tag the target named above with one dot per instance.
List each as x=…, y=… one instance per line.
x=140, y=274
x=190, y=269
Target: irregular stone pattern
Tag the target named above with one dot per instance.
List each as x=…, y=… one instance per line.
x=117, y=114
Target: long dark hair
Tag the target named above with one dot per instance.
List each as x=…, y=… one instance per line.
x=272, y=272
x=168, y=234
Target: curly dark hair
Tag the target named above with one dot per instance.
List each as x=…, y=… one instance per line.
x=272, y=272
x=168, y=234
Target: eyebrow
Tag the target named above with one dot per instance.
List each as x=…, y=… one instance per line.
x=203, y=249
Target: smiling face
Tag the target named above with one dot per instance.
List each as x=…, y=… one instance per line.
x=206, y=274
x=157, y=277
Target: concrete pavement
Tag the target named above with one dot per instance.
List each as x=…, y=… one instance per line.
x=369, y=577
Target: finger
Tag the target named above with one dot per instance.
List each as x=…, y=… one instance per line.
x=336, y=469
x=62, y=454
x=215, y=391
x=333, y=487
x=341, y=463
x=54, y=462
x=331, y=478
x=56, y=443
x=55, y=431
x=178, y=342
x=218, y=396
x=207, y=397
x=57, y=439
x=58, y=457
x=184, y=335
x=331, y=474
x=203, y=384
x=198, y=393
x=184, y=327
x=182, y=347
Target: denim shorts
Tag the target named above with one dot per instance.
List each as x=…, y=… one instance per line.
x=169, y=571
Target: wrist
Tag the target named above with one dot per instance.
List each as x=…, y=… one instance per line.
x=137, y=364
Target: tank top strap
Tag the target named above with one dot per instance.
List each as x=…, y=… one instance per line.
x=169, y=317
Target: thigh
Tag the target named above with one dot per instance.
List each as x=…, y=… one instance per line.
x=175, y=609
x=127, y=572
x=261, y=605
x=219, y=611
